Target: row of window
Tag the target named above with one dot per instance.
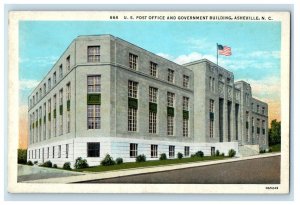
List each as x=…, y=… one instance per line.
x=51, y=83
x=258, y=109
x=50, y=152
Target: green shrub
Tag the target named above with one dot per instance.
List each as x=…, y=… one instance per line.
x=22, y=156
x=35, y=162
x=140, y=158
x=29, y=163
x=198, y=154
x=163, y=156
x=179, y=155
x=222, y=154
x=81, y=163
x=262, y=151
x=270, y=149
x=119, y=160
x=67, y=166
x=217, y=153
x=54, y=165
x=231, y=153
x=108, y=161
x=47, y=164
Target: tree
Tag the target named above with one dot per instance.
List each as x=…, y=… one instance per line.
x=22, y=156
x=275, y=133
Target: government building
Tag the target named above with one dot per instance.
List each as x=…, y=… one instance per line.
x=105, y=95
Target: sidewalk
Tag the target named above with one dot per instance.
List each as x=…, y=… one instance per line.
x=119, y=173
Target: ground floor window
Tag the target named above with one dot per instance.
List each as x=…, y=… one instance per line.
x=213, y=151
x=93, y=149
x=186, y=151
x=171, y=151
x=53, y=151
x=48, y=150
x=67, y=150
x=59, y=151
x=154, y=151
x=133, y=150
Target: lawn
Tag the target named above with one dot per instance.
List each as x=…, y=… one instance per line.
x=129, y=165
x=276, y=147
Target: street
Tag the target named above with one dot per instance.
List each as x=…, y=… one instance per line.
x=253, y=171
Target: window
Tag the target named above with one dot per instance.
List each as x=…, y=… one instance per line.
x=49, y=118
x=171, y=151
x=49, y=84
x=211, y=84
x=153, y=69
x=44, y=124
x=33, y=100
x=68, y=63
x=44, y=90
x=170, y=127
x=93, y=53
x=132, y=119
x=93, y=149
x=263, y=127
x=257, y=126
x=152, y=122
x=39, y=153
x=228, y=80
x=170, y=99
x=41, y=94
x=171, y=75
x=153, y=94
x=54, y=78
x=48, y=152
x=211, y=118
x=94, y=85
x=59, y=151
x=154, y=151
x=94, y=116
x=133, y=150
x=257, y=108
x=133, y=61
x=36, y=97
x=53, y=152
x=67, y=150
x=185, y=127
x=186, y=81
x=54, y=117
x=61, y=112
x=68, y=94
x=185, y=103
x=60, y=71
x=186, y=151
x=211, y=105
x=132, y=89
x=263, y=110
x=247, y=126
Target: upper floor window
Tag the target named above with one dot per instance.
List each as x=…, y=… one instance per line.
x=153, y=69
x=228, y=80
x=36, y=97
x=94, y=84
x=171, y=75
x=152, y=94
x=68, y=63
x=133, y=61
x=257, y=108
x=54, y=78
x=41, y=93
x=185, y=103
x=132, y=89
x=33, y=99
x=263, y=110
x=49, y=84
x=45, y=89
x=60, y=71
x=170, y=99
x=211, y=105
x=186, y=80
x=93, y=53
x=61, y=97
x=68, y=91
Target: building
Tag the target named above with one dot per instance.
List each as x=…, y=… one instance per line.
x=106, y=95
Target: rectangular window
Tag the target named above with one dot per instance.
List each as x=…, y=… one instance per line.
x=68, y=94
x=153, y=69
x=67, y=150
x=171, y=75
x=93, y=53
x=132, y=89
x=186, y=151
x=154, y=151
x=170, y=99
x=54, y=78
x=171, y=151
x=185, y=127
x=152, y=122
x=44, y=124
x=39, y=153
x=257, y=108
x=59, y=151
x=68, y=63
x=45, y=89
x=53, y=152
x=263, y=110
x=133, y=61
x=36, y=97
x=49, y=118
x=48, y=152
x=93, y=149
x=153, y=94
x=61, y=71
x=211, y=119
x=132, y=119
x=170, y=127
x=61, y=112
x=133, y=150
x=33, y=100
x=41, y=94
x=185, y=103
x=94, y=85
x=186, y=81
x=49, y=84
x=94, y=116
x=211, y=105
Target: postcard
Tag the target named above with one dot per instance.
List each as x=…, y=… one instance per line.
x=148, y=102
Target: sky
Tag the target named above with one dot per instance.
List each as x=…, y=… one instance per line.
x=255, y=51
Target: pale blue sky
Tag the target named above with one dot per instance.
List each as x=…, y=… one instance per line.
x=255, y=47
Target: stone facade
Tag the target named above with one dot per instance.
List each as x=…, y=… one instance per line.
x=208, y=109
